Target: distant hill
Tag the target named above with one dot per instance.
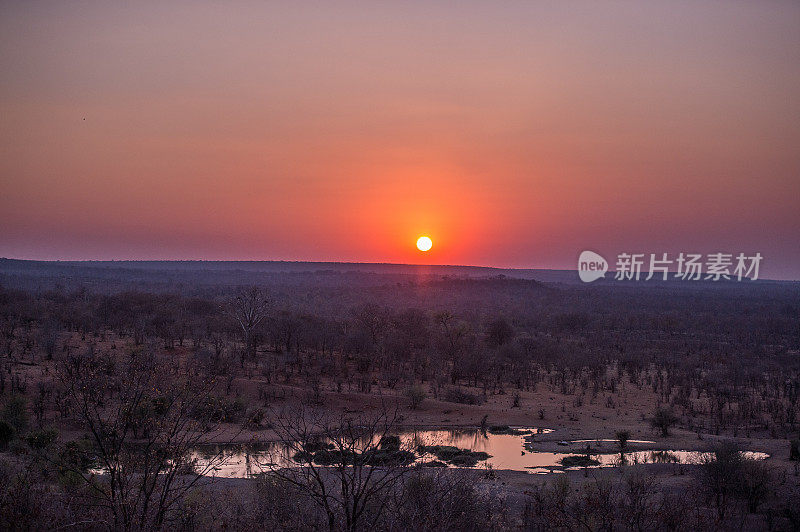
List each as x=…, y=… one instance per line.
x=28, y=267
x=165, y=275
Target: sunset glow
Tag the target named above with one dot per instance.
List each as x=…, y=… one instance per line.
x=278, y=132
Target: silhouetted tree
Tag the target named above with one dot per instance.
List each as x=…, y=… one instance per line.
x=663, y=420
x=248, y=308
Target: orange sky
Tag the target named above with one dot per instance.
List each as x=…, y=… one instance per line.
x=513, y=133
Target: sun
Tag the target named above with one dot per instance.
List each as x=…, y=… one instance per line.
x=424, y=243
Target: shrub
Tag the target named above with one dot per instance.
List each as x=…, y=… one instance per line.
x=388, y=457
x=77, y=455
x=578, y=460
x=23, y=500
x=7, y=433
x=390, y=443
x=454, y=455
x=255, y=419
x=415, y=394
x=439, y=500
x=15, y=412
x=663, y=420
x=160, y=406
x=457, y=395
x=756, y=483
x=728, y=474
x=218, y=410
x=41, y=439
x=622, y=439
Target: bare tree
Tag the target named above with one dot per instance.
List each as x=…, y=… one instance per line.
x=248, y=308
x=439, y=499
x=729, y=474
x=349, y=466
x=137, y=464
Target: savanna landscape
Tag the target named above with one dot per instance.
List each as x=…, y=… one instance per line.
x=391, y=266
x=133, y=408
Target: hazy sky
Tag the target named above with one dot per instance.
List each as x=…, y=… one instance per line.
x=513, y=133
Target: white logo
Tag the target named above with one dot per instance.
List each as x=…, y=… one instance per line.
x=687, y=266
x=591, y=266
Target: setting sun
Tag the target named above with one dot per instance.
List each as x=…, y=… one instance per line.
x=424, y=243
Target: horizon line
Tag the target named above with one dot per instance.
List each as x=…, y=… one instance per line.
x=567, y=270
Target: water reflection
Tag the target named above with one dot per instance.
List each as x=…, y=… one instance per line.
x=554, y=460
x=240, y=461
x=515, y=451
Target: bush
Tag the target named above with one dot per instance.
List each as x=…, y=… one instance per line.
x=454, y=455
x=7, y=433
x=22, y=500
x=160, y=406
x=622, y=439
x=388, y=457
x=218, y=410
x=457, y=395
x=390, y=443
x=255, y=419
x=579, y=460
x=440, y=499
x=728, y=474
x=77, y=455
x=41, y=439
x=663, y=420
x=15, y=412
x=756, y=483
x=415, y=394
